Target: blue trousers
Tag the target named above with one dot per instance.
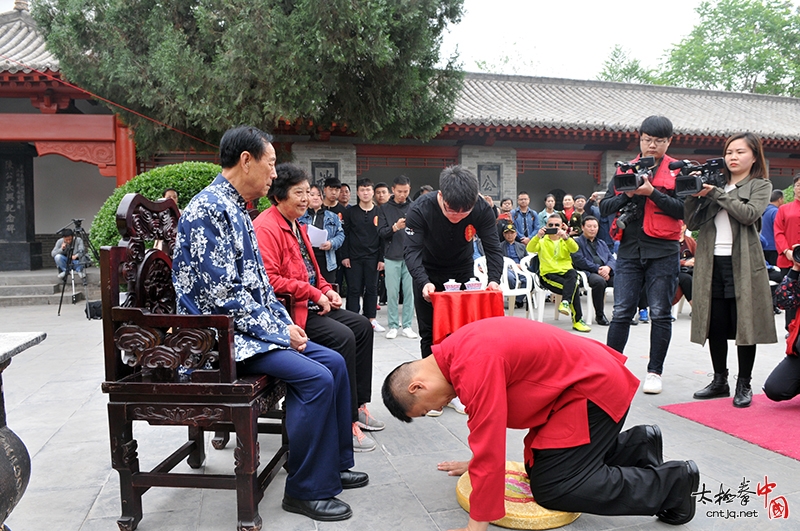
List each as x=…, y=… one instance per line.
x=659, y=276
x=317, y=416
x=61, y=263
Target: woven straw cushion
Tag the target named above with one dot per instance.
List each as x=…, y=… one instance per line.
x=522, y=512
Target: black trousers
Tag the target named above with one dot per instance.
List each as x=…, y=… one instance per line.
x=612, y=475
x=351, y=335
x=362, y=279
x=424, y=308
x=566, y=285
x=598, y=286
x=685, y=283
x=783, y=383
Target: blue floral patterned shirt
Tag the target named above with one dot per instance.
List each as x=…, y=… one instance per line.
x=217, y=269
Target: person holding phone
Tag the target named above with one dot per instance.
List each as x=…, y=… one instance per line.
x=555, y=247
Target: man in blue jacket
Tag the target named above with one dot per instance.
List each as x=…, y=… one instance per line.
x=595, y=258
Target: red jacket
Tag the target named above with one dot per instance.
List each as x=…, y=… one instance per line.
x=787, y=230
x=540, y=384
x=284, y=264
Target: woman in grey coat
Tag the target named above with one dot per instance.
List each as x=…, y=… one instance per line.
x=731, y=296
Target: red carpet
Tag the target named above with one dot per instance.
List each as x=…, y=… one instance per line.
x=771, y=425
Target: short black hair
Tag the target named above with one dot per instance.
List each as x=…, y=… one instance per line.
x=506, y=199
x=656, y=126
x=364, y=182
x=381, y=185
x=459, y=188
x=776, y=194
x=401, y=180
x=523, y=192
x=391, y=386
x=240, y=139
x=345, y=185
x=589, y=218
x=288, y=176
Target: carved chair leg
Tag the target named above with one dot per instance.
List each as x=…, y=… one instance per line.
x=220, y=440
x=246, y=461
x=125, y=460
x=198, y=455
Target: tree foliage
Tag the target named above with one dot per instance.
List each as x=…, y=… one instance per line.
x=742, y=46
x=206, y=65
x=621, y=68
x=187, y=178
x=738, y=45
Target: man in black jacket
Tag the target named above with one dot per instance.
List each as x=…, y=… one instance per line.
x=391, y=228
x=439, y=231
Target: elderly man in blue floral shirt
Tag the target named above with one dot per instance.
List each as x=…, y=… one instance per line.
x=217, y=269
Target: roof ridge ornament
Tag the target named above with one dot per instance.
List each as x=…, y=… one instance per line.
x=21, y=5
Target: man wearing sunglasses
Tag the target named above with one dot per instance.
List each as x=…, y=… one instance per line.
x=649, y=249
x=555, y=246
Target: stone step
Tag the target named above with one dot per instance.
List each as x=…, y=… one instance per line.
x=33, y=289
x=32, y=300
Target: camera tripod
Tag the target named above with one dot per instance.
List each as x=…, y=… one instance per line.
x=85, y=261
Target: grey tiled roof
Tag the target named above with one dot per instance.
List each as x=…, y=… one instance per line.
x=20, y=40
x=596, y=105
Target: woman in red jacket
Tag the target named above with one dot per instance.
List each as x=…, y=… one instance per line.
x=317, y=308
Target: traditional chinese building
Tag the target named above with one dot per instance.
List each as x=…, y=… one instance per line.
x=65, y=153
x=61, y=154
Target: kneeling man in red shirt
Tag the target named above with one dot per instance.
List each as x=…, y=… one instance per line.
x=572, y=394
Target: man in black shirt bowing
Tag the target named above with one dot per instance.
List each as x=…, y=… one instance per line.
x=439, y=231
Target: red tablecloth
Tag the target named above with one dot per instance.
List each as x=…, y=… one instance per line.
x=454, y=309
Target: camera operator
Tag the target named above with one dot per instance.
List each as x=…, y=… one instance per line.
x=68, y=244
x=649, y=249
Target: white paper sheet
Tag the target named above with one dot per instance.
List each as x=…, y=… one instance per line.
x=317, y=236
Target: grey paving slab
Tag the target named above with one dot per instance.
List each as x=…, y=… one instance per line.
x=55, y=405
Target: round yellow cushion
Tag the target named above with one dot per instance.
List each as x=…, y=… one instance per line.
x=522, y=512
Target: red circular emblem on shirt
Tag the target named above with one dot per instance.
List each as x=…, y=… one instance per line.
x=469, y=232
x=340, y=216
x=375, y=220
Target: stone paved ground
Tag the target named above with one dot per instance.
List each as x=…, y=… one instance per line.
x=55, y=405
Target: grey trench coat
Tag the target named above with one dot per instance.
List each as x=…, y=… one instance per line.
x=745, y=204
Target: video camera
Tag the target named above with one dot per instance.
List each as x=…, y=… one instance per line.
x=627, y=214
x=67, y=229
x=633, y=173
x=688, y=184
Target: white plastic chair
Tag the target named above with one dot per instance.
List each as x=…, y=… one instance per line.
x=539, y=292
x=480, y=272
x=512, y=293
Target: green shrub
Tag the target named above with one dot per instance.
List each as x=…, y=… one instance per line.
x=187, y=178
x=788, y=194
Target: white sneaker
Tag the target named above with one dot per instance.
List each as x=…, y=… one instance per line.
x=376, y=326
x=62, y=274
x=652, y=383
x=434, y=413
x=392, y=333
x=410, y=334
x=81, y=274
x=457, y=405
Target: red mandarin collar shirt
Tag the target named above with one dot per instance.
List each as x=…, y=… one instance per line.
x=516, y=373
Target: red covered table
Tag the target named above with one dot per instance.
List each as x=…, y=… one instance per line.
x=454, y=309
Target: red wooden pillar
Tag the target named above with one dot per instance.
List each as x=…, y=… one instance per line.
x=125, y=150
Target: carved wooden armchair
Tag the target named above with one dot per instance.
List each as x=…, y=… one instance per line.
x=169, y=369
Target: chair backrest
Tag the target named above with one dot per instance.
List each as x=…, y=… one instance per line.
x=144, y=339
x=480, y=271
